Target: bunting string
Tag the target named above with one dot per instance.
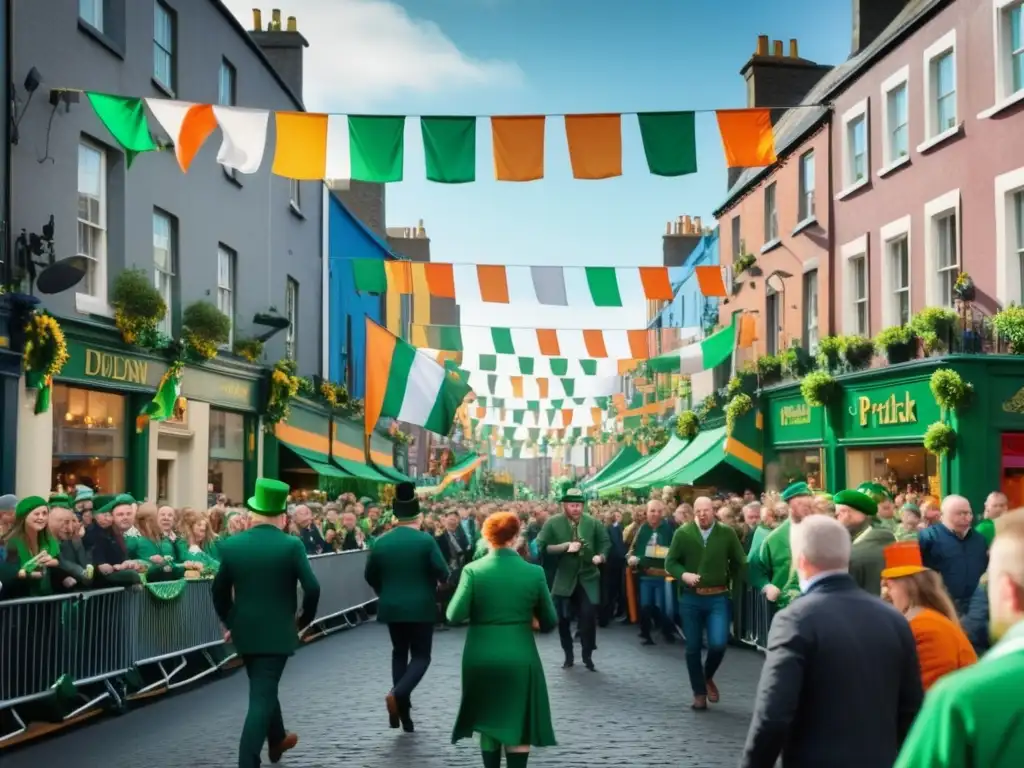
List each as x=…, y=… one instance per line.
x=541, y=388
x=313, y=146
x=514, y=365
x=515, y=404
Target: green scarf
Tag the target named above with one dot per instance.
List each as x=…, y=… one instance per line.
x=48, y=544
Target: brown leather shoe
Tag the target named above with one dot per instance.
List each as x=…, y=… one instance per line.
x=712, y=691
x=288, y=742
x=699, y=703
x=394, y=719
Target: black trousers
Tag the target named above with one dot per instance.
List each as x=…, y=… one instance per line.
x=411, y=643
x=263, y=721
x=577, y=606
x=613, y=590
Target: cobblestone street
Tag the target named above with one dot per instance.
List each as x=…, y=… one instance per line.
x=633, y=711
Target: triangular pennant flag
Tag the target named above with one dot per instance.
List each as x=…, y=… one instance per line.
x=125, y=118
x=188, y=125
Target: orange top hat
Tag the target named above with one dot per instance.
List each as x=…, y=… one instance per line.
x=902, y=559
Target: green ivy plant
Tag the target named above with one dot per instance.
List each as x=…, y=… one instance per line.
x=818, y=388
x=734, y=409
x=949, y=389
x=687, y=425
x=940, y=439
x=1009, y=324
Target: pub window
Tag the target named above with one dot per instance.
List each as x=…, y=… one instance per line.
x=89, y=439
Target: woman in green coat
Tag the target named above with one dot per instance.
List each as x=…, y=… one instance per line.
x=167, y=558
x=504, y=693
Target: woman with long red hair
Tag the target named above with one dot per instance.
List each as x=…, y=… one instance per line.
x=504, y=692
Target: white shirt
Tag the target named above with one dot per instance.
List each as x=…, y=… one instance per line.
x=705, y=533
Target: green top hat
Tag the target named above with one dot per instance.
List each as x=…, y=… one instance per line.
x=572, y=495
x=407, y=506
x=796, y=490
x=857, y=500
x=271, y=497
x=27, y=505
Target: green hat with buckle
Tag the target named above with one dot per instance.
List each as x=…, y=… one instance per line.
x=573, y=495
x=796, y=490
x=857, y=500
x=270, y=497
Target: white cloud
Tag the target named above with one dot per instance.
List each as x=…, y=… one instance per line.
x=366, y=51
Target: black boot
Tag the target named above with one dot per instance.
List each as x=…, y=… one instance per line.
x=569, y=661
x=645, y=625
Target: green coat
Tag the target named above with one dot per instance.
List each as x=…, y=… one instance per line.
x=867, y=558
x=719, y=563
x=579, y=568
x=403, y=568
x=504, y=693
x=255, y=590
x=141, y=548
x=971, y=718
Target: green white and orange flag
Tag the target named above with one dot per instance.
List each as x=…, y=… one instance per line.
x=164, y=402
x=406, y=384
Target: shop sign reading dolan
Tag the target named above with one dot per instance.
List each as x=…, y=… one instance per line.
x=106, y=365
x=892, y=410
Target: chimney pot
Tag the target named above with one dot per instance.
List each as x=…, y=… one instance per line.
x=777, y=48
x=293, y=24
x=794, y=49
x=762, y=45
x=686, y=225
x=257, y=20
x=668, y=228
x=275, y=20
x=696, y=225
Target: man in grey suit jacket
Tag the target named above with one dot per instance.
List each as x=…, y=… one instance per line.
x=841, y=684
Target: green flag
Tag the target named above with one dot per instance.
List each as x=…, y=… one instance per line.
x=604, y=286
x=369, y=275
x=449, y=145
x=670, y=142
x=161, y=407
x=126, y=120
x=377, y=147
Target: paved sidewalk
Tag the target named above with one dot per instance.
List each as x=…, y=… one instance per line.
x=634, y=711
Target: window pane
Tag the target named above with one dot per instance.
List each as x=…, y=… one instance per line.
x=226, y=84
x=87, y=423
x=162, y=27
x=90, y=164
x=91, y=11
x=858, y=149
x=944, y=83
x=1018, y=204
x=227, y=435
x=1017, y=29
x=897, y=105
x=945, y=92
x=860, y=277
x=162, y=255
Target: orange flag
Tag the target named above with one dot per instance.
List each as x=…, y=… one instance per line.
x=518, y=145
x=547, y=341
x=710, y=281
x=441, y=279
x=748, y=332
x=517, y=387
x=595, y=415
x=594, y=342
x=493, y=283
x=747, y=137
x=657, y=286
x=301, y=147
x=595, y=145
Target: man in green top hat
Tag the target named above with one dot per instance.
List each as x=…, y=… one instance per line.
x=770, y=569
x=404, y=568
x=581, y=545
x=255, y=596
x=857, y=512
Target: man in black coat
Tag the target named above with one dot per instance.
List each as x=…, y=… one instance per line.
x=841, y=684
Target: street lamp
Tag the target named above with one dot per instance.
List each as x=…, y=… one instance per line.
x=777, y=317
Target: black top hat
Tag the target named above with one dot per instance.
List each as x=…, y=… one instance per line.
x=406, y=507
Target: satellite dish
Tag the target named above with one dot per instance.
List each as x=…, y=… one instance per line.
x=62, y=275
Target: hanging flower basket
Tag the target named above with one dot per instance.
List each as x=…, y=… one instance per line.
x=940, y=439
x=963, y=288
x=687, y=425
x=205, y=329
x=818, y=388
x=46, y=352
x=284, y=385
x=949, y=388
x=898, y=343
x=138, y=307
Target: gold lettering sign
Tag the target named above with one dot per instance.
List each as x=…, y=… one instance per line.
x=794, y=415
x=105, y=365
x=234, y=391
x=1016, y=403
x=886, y=412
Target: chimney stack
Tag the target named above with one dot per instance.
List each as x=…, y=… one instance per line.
x=681, y=237
x=284, y=47
x=870, y=18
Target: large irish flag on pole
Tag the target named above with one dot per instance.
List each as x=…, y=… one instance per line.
x=406, y=384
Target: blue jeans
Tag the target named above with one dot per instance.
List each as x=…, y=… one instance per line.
x=700, y=614
x=652, y=592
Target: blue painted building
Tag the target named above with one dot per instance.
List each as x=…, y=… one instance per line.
x=689, y=308
x=348, y=238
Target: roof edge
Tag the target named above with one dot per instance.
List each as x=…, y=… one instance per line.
x=388, y=253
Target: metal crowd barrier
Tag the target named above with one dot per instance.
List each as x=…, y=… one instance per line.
x=754, y=618
x=97, y=636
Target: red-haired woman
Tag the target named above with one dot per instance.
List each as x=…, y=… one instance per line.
x=504, y=693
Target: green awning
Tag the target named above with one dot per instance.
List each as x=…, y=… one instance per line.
x=647, y=474
x=708, y=457
x=318, y=462
x=361, y=471
x=392, y=475
x=612, y=481
x=627, y=457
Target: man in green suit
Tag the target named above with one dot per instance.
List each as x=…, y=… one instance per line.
x=580, y=543
x=255, y=596
x=404, y=568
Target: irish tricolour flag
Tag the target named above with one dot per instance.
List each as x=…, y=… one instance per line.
x=406, y=384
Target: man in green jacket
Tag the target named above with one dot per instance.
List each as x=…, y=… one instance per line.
x=770, y=570
x=706, y=559
x=856, y=511
x=404, y=568
x=580, y=543
x=255, y=595
x=647, y=554
x=971, y=718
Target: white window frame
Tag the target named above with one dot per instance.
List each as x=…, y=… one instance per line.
x=933, y=134
x=95, y=303
x=166, y=285
x=888, y=236
x=229, y=289
x=890, y=161
x=810, y=319
x=806, y=209
x=227, y=100
x=771, y=213
x=158, y=46
x=850, y=252
x=91, y=12
x=291, y=308
x=860, y=110
x=935, y=210
x=1002, y=40
x=1009, y=280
